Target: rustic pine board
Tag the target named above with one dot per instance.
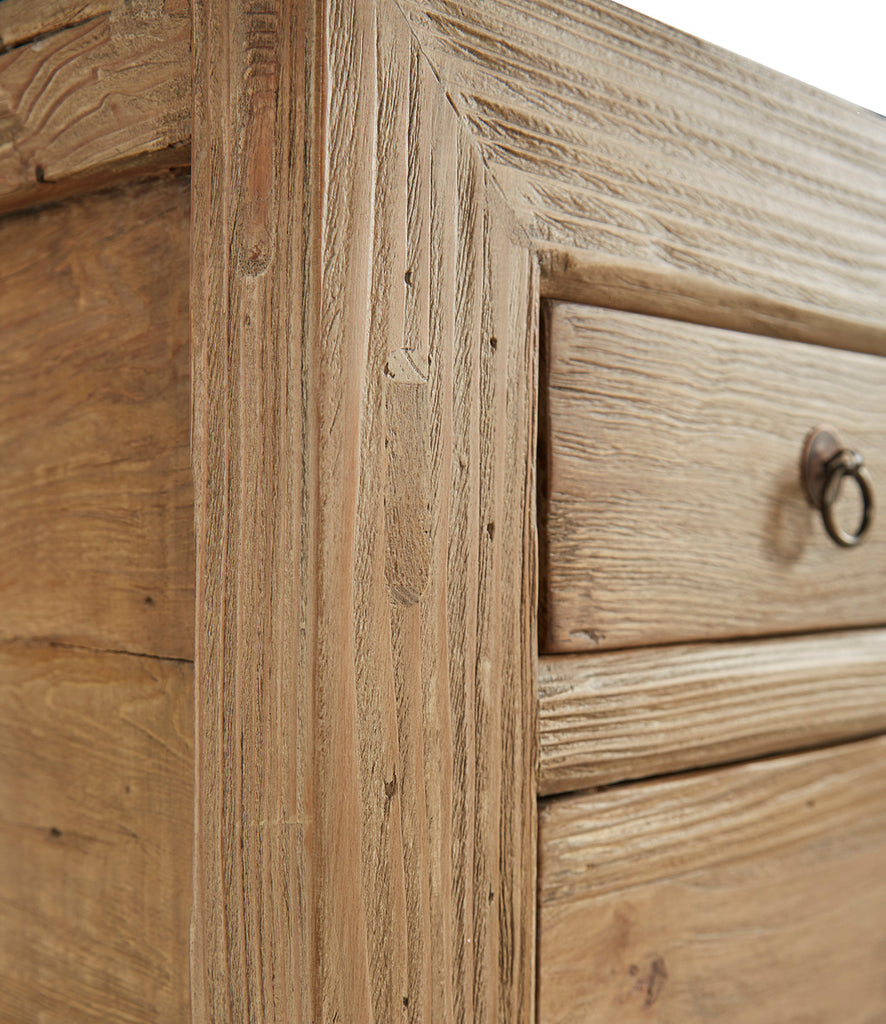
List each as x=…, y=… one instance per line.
x=96, y=492
x=619, y=715
x=22, y=21
x=96, y=831
x=753, y=893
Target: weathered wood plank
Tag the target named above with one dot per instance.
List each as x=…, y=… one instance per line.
x=660, y=173
x=618, y=715
x=105, y=94
x=753, y=893
x=22, y=21
x=97, y=525
x=364, y=465
x=96, y=831
x=674, y=508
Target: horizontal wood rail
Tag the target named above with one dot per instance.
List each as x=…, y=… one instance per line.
x=629, y=714
x=675, y=177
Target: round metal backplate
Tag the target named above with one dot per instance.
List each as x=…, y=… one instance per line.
x=821, y=445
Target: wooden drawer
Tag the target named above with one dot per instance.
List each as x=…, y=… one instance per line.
x=671, y=502
x=755, y=893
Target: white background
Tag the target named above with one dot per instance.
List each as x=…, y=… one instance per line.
x=838, y=46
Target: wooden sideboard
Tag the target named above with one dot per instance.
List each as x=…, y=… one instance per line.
x=298, y=722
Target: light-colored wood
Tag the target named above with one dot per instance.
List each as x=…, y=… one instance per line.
x=90, y=92
x=95, y=489
x=22, y=21
x=659, y=173
x=364, y=324
x=96, y=830
x=673, y=505
x=618, y=715
x=753, y=893
x=364, y=286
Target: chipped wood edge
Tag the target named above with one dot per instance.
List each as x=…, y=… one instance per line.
x=156, y=165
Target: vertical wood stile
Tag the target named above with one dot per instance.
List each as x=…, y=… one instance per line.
x=363, y=458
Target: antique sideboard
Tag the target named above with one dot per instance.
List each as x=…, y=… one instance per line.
x=415, y=604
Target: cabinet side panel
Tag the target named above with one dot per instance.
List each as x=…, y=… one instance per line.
x=96, y=806
x=97, y=526
x=96, y=610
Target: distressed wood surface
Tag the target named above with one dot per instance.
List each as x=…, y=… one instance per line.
x=618, y=715
x=97, y=523
x=755, y=893
x=89, y=93
x=364, y=378
x=673, y=506
x=364, y=308
x=22, y=21
x=96, y=831
x=658, y=173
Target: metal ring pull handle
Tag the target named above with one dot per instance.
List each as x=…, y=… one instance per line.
x=846, y=463
x=826, y=462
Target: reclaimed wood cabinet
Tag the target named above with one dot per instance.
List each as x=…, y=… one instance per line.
x=718, y=621
x=410, y=605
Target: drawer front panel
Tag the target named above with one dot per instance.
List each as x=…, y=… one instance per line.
x=753, y=893
x=672, y=507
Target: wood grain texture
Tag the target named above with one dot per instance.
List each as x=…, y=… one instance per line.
x=90, y=92
x=659, y=173
x=95, y=483
x=96, y=831
x=618, y=715
x=364, y=383
x=753, y=893
x=22, y=21
x=673, y=504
